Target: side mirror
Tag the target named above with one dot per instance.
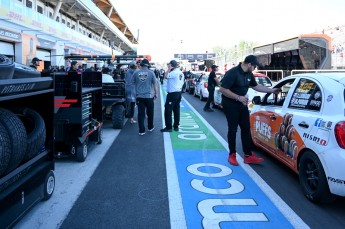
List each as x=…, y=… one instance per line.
x=256, y=100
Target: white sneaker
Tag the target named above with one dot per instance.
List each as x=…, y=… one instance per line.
x=152, y=129
x=141, y=134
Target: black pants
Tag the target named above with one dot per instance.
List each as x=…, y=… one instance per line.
x=145, y=106
x=172, y=104
x=161, y=79
x=210, y=98
x=237, y=114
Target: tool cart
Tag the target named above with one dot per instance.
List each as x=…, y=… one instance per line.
x=78, y=113
x=26, y=144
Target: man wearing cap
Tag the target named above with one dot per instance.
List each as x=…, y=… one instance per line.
x=175, y=81
x=35, y=63
x=234, y=88
x=146, y=89
x=211, y=85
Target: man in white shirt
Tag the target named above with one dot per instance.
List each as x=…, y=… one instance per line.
x=175, y=80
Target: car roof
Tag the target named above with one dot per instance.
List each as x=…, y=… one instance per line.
x=336, y=76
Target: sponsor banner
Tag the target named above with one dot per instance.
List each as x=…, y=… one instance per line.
x=193, y=57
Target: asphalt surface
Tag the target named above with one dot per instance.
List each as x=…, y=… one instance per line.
x=129, y=187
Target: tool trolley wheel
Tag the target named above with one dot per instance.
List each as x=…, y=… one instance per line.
x=100, y=135
x=118, y=116
x=49, y=185
x=82, y=151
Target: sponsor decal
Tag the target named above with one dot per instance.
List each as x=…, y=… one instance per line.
x=323, y=124
x=263, y=128
x=337, y=181
x=14, y=88
x=315, y=139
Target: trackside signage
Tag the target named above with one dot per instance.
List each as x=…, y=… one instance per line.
x=215, y=194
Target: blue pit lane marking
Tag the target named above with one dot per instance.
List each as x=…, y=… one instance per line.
x=208, y=193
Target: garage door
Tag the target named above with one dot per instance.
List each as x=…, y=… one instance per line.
x=7, y=48
x=43, y=54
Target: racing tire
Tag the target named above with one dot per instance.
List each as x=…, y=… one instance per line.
x=82, y=151
x=118, y=116
x=5, y=149
x=35, y=129
x=22, y=71
x=18, y=138
x=6, y=67
x=49, y=185
x=313, y=179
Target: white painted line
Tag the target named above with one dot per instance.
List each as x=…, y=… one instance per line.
x=293, y=218
x=177, y=216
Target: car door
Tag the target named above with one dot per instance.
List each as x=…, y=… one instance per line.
x=305, y=110
x=270, y=120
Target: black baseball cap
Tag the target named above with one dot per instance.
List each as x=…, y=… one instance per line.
x=214, y=66
x=173, y=63
x=251, y=59
x=35, y=59
x=74, y=62
x=145, y=62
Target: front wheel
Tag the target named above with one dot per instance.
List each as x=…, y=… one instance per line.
x=313, y=179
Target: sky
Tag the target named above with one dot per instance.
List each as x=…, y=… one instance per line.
x=196, y=26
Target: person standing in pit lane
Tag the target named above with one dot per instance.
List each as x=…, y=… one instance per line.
x=35, y=63
x=175, y=80
x=161, y=75
x=130, y=91
x=146, y=91
x=234, y=87
x=212, y=83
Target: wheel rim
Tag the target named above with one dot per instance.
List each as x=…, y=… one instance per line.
x=84, y=150
x=50, y=185
x=312, y=175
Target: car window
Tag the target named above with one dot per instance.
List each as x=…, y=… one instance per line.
x=263, y=81
x=278, y=99
x=307, y=95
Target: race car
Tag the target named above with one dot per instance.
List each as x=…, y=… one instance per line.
x=304, y=127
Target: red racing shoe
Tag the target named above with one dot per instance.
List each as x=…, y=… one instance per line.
x=232, y=159
x=252, y=159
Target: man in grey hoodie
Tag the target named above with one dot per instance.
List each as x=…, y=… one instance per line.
x=146, y=91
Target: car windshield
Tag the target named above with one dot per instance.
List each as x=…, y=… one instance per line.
x=263, y=81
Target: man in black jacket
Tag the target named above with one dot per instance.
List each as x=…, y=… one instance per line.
x=212, y=83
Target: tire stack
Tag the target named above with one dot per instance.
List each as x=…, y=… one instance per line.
x=6, y=68
x=284, y=139
x=22, y=137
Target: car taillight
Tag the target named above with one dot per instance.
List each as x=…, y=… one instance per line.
x=205, y=85
x=339, y=132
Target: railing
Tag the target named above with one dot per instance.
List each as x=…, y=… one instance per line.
x=279, y=74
